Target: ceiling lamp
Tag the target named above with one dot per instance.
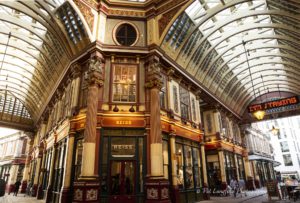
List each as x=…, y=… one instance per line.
x=259, y=114
x=274, y=130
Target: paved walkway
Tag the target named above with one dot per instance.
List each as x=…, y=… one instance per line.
x=19, y=199
x=256, y=196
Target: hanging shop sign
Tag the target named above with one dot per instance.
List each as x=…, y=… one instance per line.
x=274, y=104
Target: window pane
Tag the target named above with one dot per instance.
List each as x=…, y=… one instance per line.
x=124, y=83
x=179, y=172
x=284, y=146
x=287, y=160
x=188, y=167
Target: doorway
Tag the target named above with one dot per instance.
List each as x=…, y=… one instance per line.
x=122, y=181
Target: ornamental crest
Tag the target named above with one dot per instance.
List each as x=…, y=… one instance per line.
x=165, y=193
x=91, y=194
x=78, y=195
x=152, y=193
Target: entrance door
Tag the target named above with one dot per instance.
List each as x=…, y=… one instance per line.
x=122, y=182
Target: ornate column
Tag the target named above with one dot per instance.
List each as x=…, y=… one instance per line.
x=75, y=74
x=157, y=188
x=88, y=187
x=65, y=192
x=27, y=165
x=204, y=168
x=51, y=173
x=37, y=172
x=236, y=166
x=40, y=180
x=42, y=154
x=12, y=177
x=222, y=166
x=175, y=190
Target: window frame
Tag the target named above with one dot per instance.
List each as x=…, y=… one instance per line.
x=111, y=90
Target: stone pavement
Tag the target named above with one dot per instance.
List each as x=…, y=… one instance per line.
x=256, y=196
x=19, y=199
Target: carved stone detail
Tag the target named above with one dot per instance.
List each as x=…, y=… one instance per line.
x=154, y=79
x=95, y=71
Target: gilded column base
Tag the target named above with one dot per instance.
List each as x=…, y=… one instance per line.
x=157, y=190
x=86, y=191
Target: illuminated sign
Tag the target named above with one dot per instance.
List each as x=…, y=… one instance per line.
x=274, y=104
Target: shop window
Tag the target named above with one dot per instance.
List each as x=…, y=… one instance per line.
x=287, y=159
x=104, y=166
x=284, y=146
x=163, y=93
x=78, y=158
x=175, y=95
x=179, y=161
x=188, y=166
x=124, y=83
x=184, y=103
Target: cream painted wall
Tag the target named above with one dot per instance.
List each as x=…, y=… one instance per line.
x=112, y=23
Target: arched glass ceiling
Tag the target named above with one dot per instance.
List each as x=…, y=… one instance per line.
x=37, y=41
x=217, y=40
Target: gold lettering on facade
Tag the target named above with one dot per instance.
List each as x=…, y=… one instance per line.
x=118, y=147
x=123, y=122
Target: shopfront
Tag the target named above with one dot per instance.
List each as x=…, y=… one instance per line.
x=122, y=168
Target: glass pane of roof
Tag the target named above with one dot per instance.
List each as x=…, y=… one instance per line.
x=233, y=31
x=32, y=52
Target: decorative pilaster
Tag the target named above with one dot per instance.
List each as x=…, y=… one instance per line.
x=157, y=188
x=51, y=174
x=75, y=74
x=26, y=168
x=66, y=196
x=222, y=166
x=175, y=196
x=88, y=187
x=204, y=171
x=12, y=177
x=41, y=175
x=36, y=175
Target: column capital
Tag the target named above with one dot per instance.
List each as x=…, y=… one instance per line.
x=153, y=71
x=95, y=70
x=75, y=70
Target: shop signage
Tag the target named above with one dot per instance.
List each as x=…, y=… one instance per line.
x=274, y=104
x=123, y=122
x=119, y=147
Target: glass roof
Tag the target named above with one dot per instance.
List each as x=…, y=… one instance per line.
x=37, y=40
x=233, y=47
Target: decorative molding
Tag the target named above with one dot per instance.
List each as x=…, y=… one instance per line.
x=166, y=19
x=86, y=11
